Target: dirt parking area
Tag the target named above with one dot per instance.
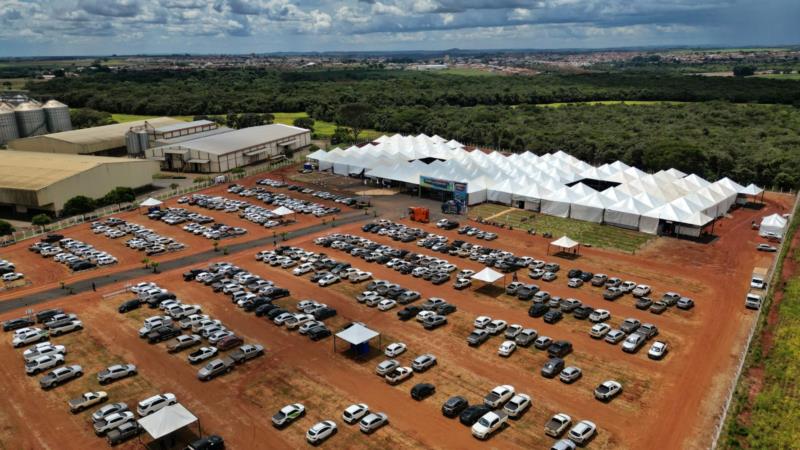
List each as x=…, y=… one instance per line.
x=666, y=404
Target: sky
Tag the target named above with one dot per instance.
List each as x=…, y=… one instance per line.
x=106, y=27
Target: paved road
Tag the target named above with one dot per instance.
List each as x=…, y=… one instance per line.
x=199, y=258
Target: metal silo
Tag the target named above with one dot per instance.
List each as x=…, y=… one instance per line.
x=8, y=123
x=30, y=119
x=137, y=140
x=57, y=115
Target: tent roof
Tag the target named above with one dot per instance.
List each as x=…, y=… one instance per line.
x=151, y=202
x=774, y=220
x=282, y=211
x=488, y=275
x=167, y=420
x=564, y=242
x=357, y=334
x=751, y=189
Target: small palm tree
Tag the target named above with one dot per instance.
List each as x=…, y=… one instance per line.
x=154, y=265
x=146, y=262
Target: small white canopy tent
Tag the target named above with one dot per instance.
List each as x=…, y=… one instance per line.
x=564, y=243
x=167, y=420
x=751, y=189
x=356, y=335
x=774, y=223
x=282, y=211
x=150, y=202
x=487, y=275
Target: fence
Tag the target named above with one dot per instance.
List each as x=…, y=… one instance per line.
x=115, y=209
x=742, y=358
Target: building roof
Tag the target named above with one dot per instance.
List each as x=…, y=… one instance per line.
x=192, y=137
x=34, y=170
x=183, y=126
x=357, y=334
x=224, y=143
x=167, y=420
x=105, y=133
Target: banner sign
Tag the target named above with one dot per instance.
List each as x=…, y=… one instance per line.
x=435, y=183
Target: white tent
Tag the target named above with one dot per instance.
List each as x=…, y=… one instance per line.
x=590, y=208
x=150, y=202
x=751, y=189
x=487, y=275
x=317, y=154
x=774, y=224
x=564, y=243
x=625, y=213
x=167, y=420
x=282, y=211
x=357, y=334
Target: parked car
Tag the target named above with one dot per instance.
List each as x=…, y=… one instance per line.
x=598, y=331
x=454, y=406
x=288, y=414
x=570, y=374
x=86, y=400
x=552, y=367
x=321, y=431
x=202, y=354
x=40, y=363
x=477, y=337
x=183, y=342
x=60, y=375
x=354, y=413
x=557, y=425
x=107, y=410
x=111, y=422
x=155, y=403
x=582, y=432
x=398, y=374
x=15, y=324
x=124, y=432
x=498, y=396
x=212, y=442
x=423, y=362
x=116, y=372
x=633, y=342
x=614, y=336
x=215, y=368
x=685, y=303
x=552, y=316
x=488, y=424
x=472, y=413
x=658, y=350
x=507, y=348
x=526, y=337
x=395, y=349
x=607, y=390
x=422, y=391
x=246, y=352
x=517, y=406
x=630, y=325
x=559, y=349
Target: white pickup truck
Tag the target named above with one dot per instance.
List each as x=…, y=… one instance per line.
x=752, y=300
x=759, y=278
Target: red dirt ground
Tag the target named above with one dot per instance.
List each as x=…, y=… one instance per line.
x=685, y=390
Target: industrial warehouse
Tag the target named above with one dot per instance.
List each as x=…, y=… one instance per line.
x=668, y=202
x=219, y=149
x=31, y=181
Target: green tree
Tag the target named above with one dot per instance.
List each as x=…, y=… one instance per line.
x=248, y=120
x=744, y=71
x=79, y=205
x=357, y=116
x=119, y=194
x=86, y=117
x=5, y=228
x=304, y=122
x=340, y=135
x=41, y=220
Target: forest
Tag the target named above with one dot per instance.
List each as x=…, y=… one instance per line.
x=745, y=128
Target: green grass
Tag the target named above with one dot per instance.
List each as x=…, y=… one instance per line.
x=597, y=235
x=123, y=118
x=466, y=71
x=322, y=128
x=780, y=76
x=612, y=102
x=16, y=83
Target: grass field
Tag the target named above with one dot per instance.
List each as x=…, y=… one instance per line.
x=780, y=76
x=122, y=118
x=584, y=232
x=16, y=83
x=466, y=71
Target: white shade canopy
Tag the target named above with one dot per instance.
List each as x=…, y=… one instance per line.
x=357, y=334
x=282, y=211
x=151, y=202
x=487, y=275
x=167, y=420
x=565, y=242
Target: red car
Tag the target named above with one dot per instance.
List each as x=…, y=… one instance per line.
x=229, y=342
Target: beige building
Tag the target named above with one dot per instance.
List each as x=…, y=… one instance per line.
x=108, y=139
x=221, y=150
x=44, y=182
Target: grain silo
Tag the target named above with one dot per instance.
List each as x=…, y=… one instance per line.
x=57, y=115
x=8, y=123
x=30, y=119
x=137, y=140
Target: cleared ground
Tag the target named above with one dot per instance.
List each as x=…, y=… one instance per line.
x=685, y=390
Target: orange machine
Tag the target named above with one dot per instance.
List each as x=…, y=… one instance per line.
x=419, y=214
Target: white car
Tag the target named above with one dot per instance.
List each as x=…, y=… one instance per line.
x=282, y=318
x=40, y=363
x=607, y=390
x=387, y=304
x=288, y=414
x=422, y=315
x=518, y=404
x=395, y=349
x=202, y=354
x=582, y=431
x=507, y=348
x=297, y=320
x=488, y=424
x=111, y=422
x=570, y=374
x=328, y=280
x=357, y=277
x=658, y=350
x=303, y=269
x=43, y=349
x=641, y=290
x=372, y=422
x=354, y=413
x=499, y=395
x=599, y=315
x=482, y=321
x=155, y=403
x=306, y=327
x=599, y=330
x=12, y=276
x=321, y=431
x=29, y=337
x=496, y=326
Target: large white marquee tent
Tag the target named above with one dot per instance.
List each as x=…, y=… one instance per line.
x=557, y=183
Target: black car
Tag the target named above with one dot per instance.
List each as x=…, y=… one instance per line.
x=574, y=273
x=324, y=313
x=408, y=313
x=422, y=391
x=192, y=274
x=51, y=238
x=454, y=406
x=45, y=315
x=440, y=278
x=472, y=413
x=446, y=309
x=265, y=308
x=586, y=276
x=553, y=316
x=526, y=292
x=15, y=324
x=559, y=349
x=450, y=225
x=582, y=312
x=253, y=304
x=275, y=313
x=130, y=305
x=154, y=301
x=278, y=293
x=538, y=309
x=552, y=367
x=81, y=265
x=319, y=332
x=163, y=333
x=212, y=442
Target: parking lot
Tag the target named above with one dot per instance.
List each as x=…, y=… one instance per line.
x=686, y=387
